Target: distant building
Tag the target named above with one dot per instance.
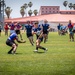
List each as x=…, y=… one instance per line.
x=54, y=10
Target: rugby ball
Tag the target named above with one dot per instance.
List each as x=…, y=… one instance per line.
x=38, y=32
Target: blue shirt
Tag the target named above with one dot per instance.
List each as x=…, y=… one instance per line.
x=59, y=27
x=12, y=37
x=45, y=26
x=28, y=28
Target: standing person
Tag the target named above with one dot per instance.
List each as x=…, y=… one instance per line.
x=46, y=28
x=39, y=34
x=71, y=34
x=18, y=28
x=28, y=28
x=58, y=27
x=11, y=42
x=6, y=27
x=12, y=28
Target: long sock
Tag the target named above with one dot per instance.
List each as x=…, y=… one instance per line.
x=42, y=48
x=36, y=48
x=10, y=50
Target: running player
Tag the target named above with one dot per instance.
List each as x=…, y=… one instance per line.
x=28, y=28
x=46, y=28
x=39, y=34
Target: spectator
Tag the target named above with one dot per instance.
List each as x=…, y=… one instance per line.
x=6, y=27
x=71, y=34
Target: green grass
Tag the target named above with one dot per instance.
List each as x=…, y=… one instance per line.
x=58, y=60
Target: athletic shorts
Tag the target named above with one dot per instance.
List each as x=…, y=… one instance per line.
x=29, y=35
x=9, y=42
x=45, y=32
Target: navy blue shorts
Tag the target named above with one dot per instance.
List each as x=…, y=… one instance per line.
x=45, y=32
x=29, y=35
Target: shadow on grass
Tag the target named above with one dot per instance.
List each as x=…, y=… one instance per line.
x=40, y=52
x=15, y=54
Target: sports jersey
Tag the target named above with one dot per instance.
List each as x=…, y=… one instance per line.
x=18, y=26
x=70, y=26
x=12, y=26
x=28, y=28
x=45, y=27
x=12, y=37
x=36, y=30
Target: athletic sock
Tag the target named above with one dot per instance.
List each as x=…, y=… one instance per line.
x=36, y=48
x=10, y=51
x=42, y=48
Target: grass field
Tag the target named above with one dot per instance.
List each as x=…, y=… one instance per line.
x=58, y=60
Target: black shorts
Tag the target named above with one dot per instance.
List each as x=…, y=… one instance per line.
x=29, y=35
x=73, y=31
x=45, y=32
x=9, y=42
x=0, y=30
x=41, y=39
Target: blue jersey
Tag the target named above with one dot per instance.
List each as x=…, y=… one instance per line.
x=28, y=28
x=45, y=26
x=38, y=29
x=12, y=37
x=59, y=26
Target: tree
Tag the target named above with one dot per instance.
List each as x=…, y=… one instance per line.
x=30, y=4
x=25, y=6
x=65, y=3
x=70, y=5
x=74, y=6
x=35, y=12
x=30, y=12
x=22, y=11
x=8, y=11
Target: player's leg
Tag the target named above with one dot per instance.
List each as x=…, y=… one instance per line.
x=9, y=43
x=20, y=35
x=31, y=40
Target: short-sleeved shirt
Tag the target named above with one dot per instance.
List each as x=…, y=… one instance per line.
x=37, y=29
x=45, y=27
x=18, y=26
x=28, y=28
x=12, y=26
x=12, y=37
x=70, y=26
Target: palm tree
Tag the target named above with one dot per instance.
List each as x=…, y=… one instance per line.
x=8, y=11
x=74, y=6
x=22, y=11
x=25, y=6
x=30, y=4
x=65, y=3
x=70, y=5
x=35, y=12
x=30, y=12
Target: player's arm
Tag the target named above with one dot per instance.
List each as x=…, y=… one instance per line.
x=20, y=41
x=48, y=28
x=33, y=32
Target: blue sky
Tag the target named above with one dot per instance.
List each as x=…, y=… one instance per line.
x=16, y=4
